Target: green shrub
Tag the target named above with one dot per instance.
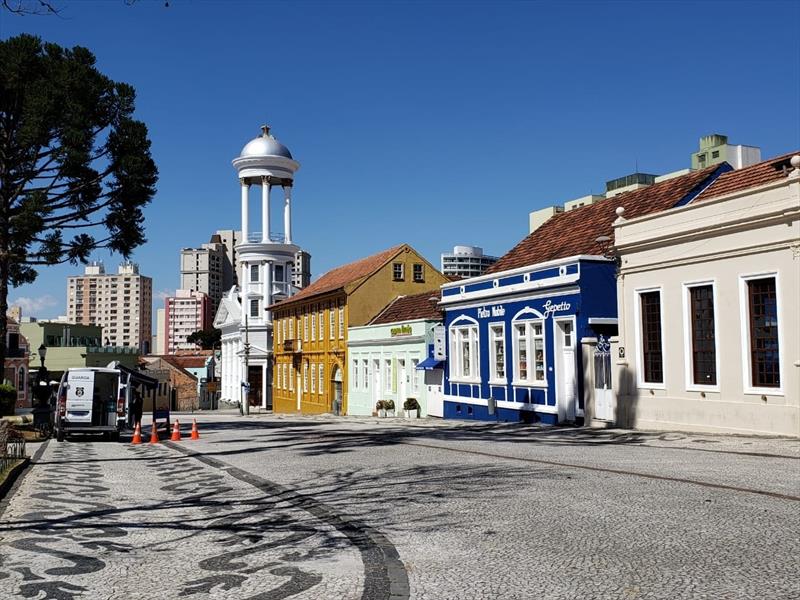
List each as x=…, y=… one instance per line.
x=8, y=399
x=411, y=404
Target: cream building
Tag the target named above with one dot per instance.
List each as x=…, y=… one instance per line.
x=709, y=308
x=122, y=304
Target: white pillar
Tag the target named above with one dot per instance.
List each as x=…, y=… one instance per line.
x=287, y=213
x=265, y=189
x=245, y=210
x=268, y=289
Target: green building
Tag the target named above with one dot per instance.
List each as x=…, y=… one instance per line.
x=70, y=345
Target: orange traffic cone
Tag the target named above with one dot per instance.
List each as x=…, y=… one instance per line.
x=176, y=432
x=154, y=434
x=137, y=434
x=195, y=432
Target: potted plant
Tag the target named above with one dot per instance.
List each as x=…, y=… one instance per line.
x=411, y=408
x=380, y=407
x=389, y=405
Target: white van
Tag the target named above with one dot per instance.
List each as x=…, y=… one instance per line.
x=96, y=400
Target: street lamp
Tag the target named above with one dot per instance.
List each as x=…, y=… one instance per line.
x=41, y=414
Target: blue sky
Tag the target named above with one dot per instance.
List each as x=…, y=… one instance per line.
x=432, y=123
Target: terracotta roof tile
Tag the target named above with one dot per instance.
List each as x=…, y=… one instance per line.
x=574, y=232
x=748, y=177
x=408, y=308
x=342, y=276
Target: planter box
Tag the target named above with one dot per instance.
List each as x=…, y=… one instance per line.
x=411, y=414
x=382, y=413
x=390, y=413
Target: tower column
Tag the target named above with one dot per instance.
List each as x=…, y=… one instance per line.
x=245, y=210
x=265, y=189
x=287, y=213
x=268, y=290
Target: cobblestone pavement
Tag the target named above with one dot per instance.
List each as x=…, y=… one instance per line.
x=320, y=507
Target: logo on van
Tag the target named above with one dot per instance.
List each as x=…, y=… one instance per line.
x=79, y=391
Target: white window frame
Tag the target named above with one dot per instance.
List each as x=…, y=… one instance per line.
x=493, y=378
x=341, y=322
x=305, y=328
x=365, y=373
x=291, y=377
x=688, y=351
x=321, y=380
x=355, y=374
x=254, y=303
x=455, y=361
x=387, y=372
x=415, y=376
x=291, y=327
x=313, y=326
x=321, y=324
x=332, y=324
x=637, y=315
x=313, y=378
x=257, y=271
x=305, y=377
x=283, y=326
x=530, y=349
x=744, y=315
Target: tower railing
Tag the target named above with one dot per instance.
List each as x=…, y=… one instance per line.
x=254, y=237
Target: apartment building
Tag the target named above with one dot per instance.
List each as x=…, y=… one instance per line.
x=211, y=268
x=184, y=313
x=120, y=303
x=466, y=261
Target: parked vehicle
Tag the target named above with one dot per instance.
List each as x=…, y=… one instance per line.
x=96, y=400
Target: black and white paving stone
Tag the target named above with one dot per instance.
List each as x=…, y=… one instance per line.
x=287, y=507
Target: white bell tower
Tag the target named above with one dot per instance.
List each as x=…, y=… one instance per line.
x=266, y=260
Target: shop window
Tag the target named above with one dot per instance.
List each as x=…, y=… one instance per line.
x=702, y=335
x=529, y=354
x=498, y=352
x=387, y=375
x=651, y=343
x=762, y=301
x=464, y=352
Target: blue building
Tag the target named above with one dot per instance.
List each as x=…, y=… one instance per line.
x=513, y=335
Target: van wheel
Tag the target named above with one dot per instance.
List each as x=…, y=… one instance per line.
x=59, y=435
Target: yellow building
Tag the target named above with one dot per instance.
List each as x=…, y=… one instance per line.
x=310, y=328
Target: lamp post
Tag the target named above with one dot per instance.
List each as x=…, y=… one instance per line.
x=41, y=414
x=246, y=382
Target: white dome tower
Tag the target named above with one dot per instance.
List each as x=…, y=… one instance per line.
x=266, y=257
x=266, y=262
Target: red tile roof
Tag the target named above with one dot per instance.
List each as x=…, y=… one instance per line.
x=574, y=232
x=186, y=362
x=748, y=177
x=409, y=308
x=341, y=276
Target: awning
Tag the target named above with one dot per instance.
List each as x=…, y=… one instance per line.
x=429, y=364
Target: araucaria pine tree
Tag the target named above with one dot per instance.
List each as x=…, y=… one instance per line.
x=75, y=166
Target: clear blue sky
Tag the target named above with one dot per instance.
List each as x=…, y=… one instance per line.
x=432, y=123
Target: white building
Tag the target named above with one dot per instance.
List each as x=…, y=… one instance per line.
x=709, y=308
x=466, y=261
x=267, y=261
x=121, y=304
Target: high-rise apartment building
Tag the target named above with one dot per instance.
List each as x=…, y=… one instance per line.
x=122, y=304
x=211, y=268
x=466, y=261
x=301, y=272
x=184, y=313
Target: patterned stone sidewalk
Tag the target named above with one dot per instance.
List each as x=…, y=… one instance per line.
x=105, y=520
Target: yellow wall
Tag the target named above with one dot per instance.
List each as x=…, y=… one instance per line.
x=361, y=302
x=372, y=296
x=315, y=351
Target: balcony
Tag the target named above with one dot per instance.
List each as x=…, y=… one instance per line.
x=254, y=237
x=292, y=346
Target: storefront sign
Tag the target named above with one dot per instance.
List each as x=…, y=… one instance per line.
x=496, y=311
x=550, y=308
x=402, y=330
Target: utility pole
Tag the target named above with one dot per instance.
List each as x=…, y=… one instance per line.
x=246, y=384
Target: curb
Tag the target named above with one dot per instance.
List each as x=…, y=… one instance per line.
x=11, y=476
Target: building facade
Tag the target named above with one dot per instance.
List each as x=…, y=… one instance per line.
x=70, y=345
x=185, y=313
x=121, y=303
x=513, y=334
x=466, y=261
x=311, y=374
x=212, y=268
x=709, y=309
x=17, y=361
x=387, y=357
x=715, y=149
x=266, y=260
